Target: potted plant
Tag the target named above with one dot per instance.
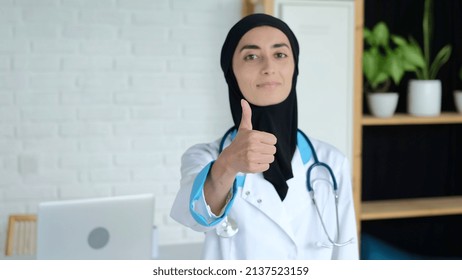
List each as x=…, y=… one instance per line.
x=458, y=95
x=384, y=64
x=424, y=93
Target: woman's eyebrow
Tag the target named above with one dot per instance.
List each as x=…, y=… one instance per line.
x=255, y=47
x=249, y=47
x=280, y=45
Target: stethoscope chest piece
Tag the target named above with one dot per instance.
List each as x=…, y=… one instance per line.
x=227, y=228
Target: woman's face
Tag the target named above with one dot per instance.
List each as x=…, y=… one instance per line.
x=264, y=66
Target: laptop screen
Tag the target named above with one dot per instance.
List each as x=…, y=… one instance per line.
x=108, y=228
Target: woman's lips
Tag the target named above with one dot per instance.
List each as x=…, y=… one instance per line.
x=268, y=84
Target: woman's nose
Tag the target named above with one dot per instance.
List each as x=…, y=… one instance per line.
x=268, y=66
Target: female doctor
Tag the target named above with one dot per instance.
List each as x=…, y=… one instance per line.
x=265, y=190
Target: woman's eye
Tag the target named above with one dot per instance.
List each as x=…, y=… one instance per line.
x=250, y=57
x=280, y=55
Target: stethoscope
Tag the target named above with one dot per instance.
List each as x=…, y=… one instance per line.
x=228, y=227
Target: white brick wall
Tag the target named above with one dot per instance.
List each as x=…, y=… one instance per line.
x=102, y=97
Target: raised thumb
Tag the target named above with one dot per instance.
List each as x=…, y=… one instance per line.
x=246, y=119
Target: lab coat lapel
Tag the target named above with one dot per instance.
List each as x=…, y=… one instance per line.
x=255, y=191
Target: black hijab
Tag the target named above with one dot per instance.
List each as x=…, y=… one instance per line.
x=279, y=119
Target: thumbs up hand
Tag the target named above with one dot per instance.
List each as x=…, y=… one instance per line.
x=251, y=151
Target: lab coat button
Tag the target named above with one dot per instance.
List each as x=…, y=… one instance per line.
x=259, y=200
x=247, y=192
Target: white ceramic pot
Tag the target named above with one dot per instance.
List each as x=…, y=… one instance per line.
x=458, y=100
x=424, y=98
x=382, y=104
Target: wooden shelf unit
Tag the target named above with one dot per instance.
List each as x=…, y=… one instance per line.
x=415, y=207
x=405, y=119
x=411, y=208
x=393, y=208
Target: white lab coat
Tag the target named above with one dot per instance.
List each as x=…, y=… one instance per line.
x=268, y=227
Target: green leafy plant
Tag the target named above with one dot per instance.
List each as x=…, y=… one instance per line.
x=384, y=63
x=429, y=70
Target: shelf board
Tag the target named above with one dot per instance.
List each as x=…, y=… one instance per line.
x=411, y=208
x=405, y=119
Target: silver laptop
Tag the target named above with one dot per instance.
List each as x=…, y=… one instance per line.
x=108, y=228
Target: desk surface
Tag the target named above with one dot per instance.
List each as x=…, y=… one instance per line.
x=188, y=251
